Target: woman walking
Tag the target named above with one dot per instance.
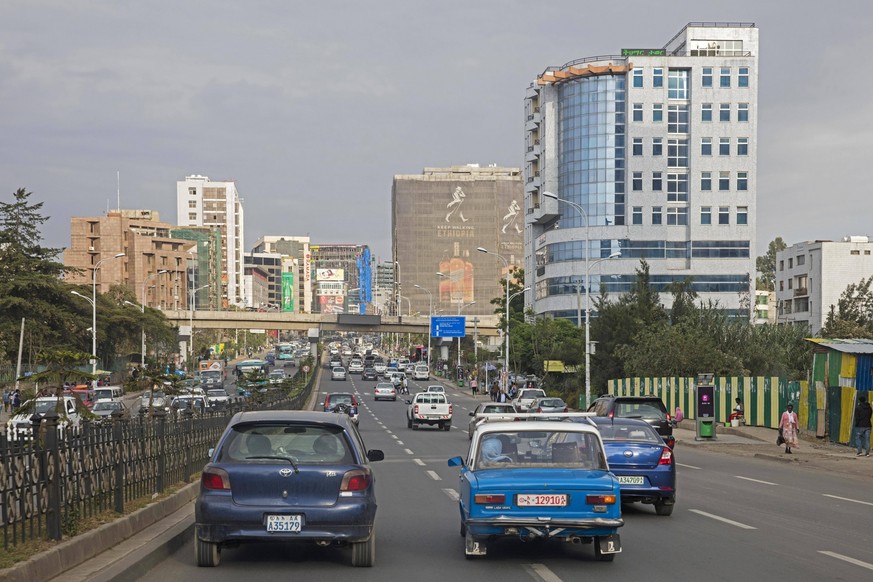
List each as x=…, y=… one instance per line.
x=789, y=427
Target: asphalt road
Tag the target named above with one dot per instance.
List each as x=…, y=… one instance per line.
x=736, y=518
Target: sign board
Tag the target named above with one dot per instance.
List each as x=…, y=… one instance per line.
x=305, y=369
x=358, y=319
x=330, y=274
x=257, y=331
x=448, y=326
x=658, y=52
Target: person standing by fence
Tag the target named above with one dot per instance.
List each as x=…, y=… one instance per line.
x=7, y=397
x=789, y=427
x=863, y=413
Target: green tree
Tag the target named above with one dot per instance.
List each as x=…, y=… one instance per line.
x=766, y=265
x=852, y=317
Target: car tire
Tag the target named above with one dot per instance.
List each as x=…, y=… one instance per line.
x=599, y=556
x=364, y=553
x=463, y=529
x=447, y=427
x=663, y=508
x=208, y=554
x=408, y=422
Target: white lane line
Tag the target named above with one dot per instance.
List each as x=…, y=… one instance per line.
x=847, y=559
x=847, y=499
x=389, y=432
x=409, y=452
x=688, y=466
x=453, y=495
x=400, y=443
x=395, y=437
x=541, y=572
x=754, y=480
x=722, y=519
x=434, y=476
x=418, y=462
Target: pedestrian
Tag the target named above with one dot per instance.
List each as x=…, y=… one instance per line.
x=789, y=427
x=16, y=400
x=474, y=385
x=863, y=413
x=678, y=416
x=738, y=411
x=6, y=399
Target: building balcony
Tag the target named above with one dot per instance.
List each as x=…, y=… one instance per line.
x=801, y=291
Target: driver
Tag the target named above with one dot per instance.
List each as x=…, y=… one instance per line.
x=492, y=451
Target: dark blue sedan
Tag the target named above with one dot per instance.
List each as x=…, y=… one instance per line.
x=641, y=460
x=288, y=475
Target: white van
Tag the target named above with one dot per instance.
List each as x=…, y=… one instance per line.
x=108, y=393
x=421, y=372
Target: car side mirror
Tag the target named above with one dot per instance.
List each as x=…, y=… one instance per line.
x=473, y=413
x=409, y=402
x=456, y=462
x=210, y=452
x=375, y=455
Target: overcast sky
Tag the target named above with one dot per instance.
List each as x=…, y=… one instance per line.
x=313, y=107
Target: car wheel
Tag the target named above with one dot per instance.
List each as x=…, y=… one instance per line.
x=364, y=553
x=208, y=554
x=447, y=427
x=408, y=423
x=463, y=530
x=600, y=556
x=663, y=508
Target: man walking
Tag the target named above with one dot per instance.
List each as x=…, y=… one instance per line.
x=863, y=412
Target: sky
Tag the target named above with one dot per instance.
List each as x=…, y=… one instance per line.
x=313, y=107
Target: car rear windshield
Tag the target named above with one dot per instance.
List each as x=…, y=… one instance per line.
x=645, y=409
x=620, y=432
x=552, y=449
x=335, y=399
x=274, y=442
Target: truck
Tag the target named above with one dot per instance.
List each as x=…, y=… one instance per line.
x=430, y=408
x=212, y=373
x=20, y=427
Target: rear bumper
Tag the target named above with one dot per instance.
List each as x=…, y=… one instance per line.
x=557, y=528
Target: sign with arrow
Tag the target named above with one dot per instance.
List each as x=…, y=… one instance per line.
x=448, y=326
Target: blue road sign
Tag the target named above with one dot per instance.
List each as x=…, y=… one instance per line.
x=448, y=326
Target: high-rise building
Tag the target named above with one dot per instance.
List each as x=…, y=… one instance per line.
x=439, y=219
x=343, y=279
x=202, y=202
x=812, y=275
x=288, y=259
x=654, y=151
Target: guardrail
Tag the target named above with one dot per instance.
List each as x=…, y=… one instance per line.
x=50, y=483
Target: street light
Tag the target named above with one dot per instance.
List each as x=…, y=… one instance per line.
x=506, y=350
x=142, y=310
x=429, y=320
x=94, y=311
x=397, y=285
x=191, y=323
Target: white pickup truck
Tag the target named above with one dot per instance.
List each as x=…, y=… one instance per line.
x=19, y=427
x=431, y=408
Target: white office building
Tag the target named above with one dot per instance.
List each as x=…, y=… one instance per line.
x=651, y=153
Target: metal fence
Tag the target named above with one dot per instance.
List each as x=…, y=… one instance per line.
x=51, y=483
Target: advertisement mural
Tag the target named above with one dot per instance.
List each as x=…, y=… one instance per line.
x=330, y=275
x=332, y=303
x=288, y=291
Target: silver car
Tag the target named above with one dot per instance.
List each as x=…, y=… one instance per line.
x=488, y=408
x=338, y=373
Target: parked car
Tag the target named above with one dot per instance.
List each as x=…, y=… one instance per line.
x=488, y=408
x=641, y=460
x=338, y=373
x=318, y=462
x=385, y=390
x=342, y=403
x=104, y=408
x=549, y=483
x=647, y=407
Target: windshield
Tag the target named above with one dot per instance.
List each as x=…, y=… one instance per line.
x=531, y=394
x=105, y=406
x=43, y=406
x=640, y=410
x=339, y=399
x=622, y=432
x=524, y=449
x=216, y=392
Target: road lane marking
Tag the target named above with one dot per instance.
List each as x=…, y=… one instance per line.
x=434, y=476
x=395, y=437
x=688, y=466
x=408, y=452
x=389, y=432
x=847, y=559
x=541, y=572
x=419, y=462
x=400, y=443
x=754, y=480
x=722, y=519
x=847, y=499
x=453, y=495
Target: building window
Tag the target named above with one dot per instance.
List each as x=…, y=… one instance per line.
x=724, y=78
x=742, y=112
x=706, y=181
x=657, y=112
x=638, y=78
x=724, y=146
x=657, y=146
x=192, y=204
x=781, y=265
x=724, y=215
x=192, y=191
x=724, y=181
x=677, y=153
x=677, y=187
x=706, y=78
x=743, y=77
x=705, y=215
x=743, y=215
x=742, y=146
x=800, y=259
x=638, y=112
x=192, y=216
x=677, y=216
x=637, y=215
x=657, y=182
x=742, y=181
x=790, y=266
x=724, y=112
x=637, y=146
x=637, y=182
x=677, y=119
x=706, y=146
x=677, y=84
x=657, y=77
x=656, y=215
x=782, y=286
x=706, y=112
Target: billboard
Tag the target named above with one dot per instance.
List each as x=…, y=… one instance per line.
x=332, y=303
x=330, y=274
x=288, y=291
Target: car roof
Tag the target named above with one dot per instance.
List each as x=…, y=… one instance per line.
x=619, y=421
x=540, y=425
x=290, y=415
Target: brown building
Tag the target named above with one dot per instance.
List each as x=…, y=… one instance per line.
x=439, y=219
x=147, y=247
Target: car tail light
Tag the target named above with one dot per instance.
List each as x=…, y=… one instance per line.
x=327, y=402
x=490, y=498
x=565, y=409
x=356, y=480
x=450, y=409
x=666, y=457
x=539, y=409
x=668, y=417
x=215, y=479
x=600, y=499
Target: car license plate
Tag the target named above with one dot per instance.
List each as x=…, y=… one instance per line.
x=284, y=523
x=538, y=500
x=625, y=480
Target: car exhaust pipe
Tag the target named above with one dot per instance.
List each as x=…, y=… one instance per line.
x=575, y=539
x=323, y=543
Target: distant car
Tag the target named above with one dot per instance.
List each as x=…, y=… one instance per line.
x=369, y=374
x=336, y=363
x=319, y=463
x=548, y=404
x=276, y=376
x=342, y=403
x=105, y=408
x=646, y=407
x=218, y=397
x=436, y=388
x=159, y=400
x=356, y=367
x=379, y=366
x=488, y=408
x=385, y=390
x=396, y=378
x=408, y=368
x=421, y=372
x=526, y=397
x=641, y=460
x=338, y=373
x=196, y=403
x=551, y=483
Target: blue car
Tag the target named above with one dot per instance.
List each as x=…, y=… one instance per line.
x=641, y=460
x=547, y=480
x=287, y=475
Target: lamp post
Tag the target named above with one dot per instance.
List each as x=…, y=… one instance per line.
x=191, y=323
x=506, y=349
x=397, y=285
x=142, y=310
x=94, y=311
x=429, y=319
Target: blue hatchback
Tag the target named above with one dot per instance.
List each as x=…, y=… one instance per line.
x=288, y=475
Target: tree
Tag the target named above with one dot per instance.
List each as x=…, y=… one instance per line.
x=853, y=315
x=766, y=265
